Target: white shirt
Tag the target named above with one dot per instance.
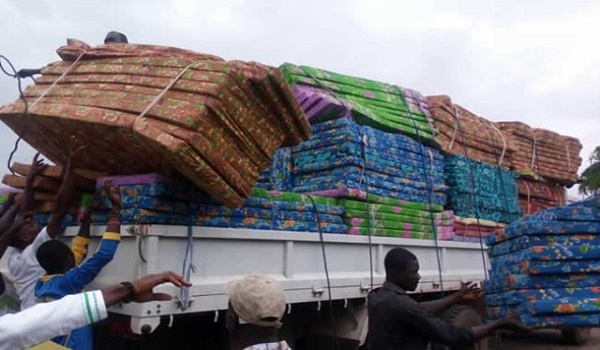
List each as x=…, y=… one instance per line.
x=48, y=320
x=25, y=269
x=9, y=300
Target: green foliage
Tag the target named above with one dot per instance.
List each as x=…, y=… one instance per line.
x=590, y=178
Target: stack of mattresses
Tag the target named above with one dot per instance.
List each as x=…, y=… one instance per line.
x=46, y=185
x=325, y=95
x=474, y=230
x=543, y=153
x=390, y=217
x=538, y=195
x=151, y=199
x=142, y=108
x=480, y=190
x=546, y=267
x=343, y=158
x=461, y=132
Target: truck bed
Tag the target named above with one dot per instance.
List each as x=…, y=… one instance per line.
x=295, y=259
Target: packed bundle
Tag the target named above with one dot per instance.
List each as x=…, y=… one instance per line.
x=538, y=195
x=326, y=95
x=142, y=108
x=480, y=190
x=153, y=199
x=461, y=132
x=383, y=216
x=474, y=230
x=344, y=157
x=545, y=267
x=543, y=153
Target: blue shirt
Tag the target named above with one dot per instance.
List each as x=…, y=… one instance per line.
x=54, y=287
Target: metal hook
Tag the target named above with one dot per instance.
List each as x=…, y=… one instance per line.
x=289, y=309
x=318, y=306
x=345, y=303
x=216, y=319
x=171, y=318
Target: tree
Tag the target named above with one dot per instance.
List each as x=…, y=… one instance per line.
x=590, y=178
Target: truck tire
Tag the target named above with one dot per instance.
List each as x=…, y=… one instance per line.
x=577, y=336
x=462, y=316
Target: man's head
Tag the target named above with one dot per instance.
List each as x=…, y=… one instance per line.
x=256, y=300
x=115, y=38
x=55, y=257
x=24, y=231
x=402, y=268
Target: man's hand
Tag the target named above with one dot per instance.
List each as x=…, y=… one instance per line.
x=37, y=168
x=143, y=287
x=469, y=291
x=514, y=324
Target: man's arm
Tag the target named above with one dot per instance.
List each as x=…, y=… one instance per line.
x=80, y=276
x=48, y=320
x=8, y=218
x=433, y=328
x=8, y=203
x=64, y=199
x=467, y=291
x=8, y=236
x=37, y=168
x=81, y=241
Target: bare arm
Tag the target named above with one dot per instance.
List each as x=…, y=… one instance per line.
x=467, y=291
x=507, y=322
x=64, y=199
x=437, y=306
x=7, y=237
x=142, y=289
x=37, y=167
x=8, y=218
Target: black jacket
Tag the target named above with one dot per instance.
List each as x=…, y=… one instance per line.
x=396, y=321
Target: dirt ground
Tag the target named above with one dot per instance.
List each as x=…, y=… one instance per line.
x=545, y=340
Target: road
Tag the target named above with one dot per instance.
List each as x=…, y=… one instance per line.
x=545, y=340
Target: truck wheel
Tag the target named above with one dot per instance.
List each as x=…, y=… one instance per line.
x=462, y=316
x=577, y=336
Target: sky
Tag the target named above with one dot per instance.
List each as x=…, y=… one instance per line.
x=526, y=60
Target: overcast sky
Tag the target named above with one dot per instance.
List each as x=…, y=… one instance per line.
x=533, y=61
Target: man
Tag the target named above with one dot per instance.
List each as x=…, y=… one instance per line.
x=27, y=237
x=9, y=300
x=63, y=276
x=48, y=320
x=396, y=321
x=115, y=38
x=256, y=307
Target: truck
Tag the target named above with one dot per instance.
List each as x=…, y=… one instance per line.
x=326, y=279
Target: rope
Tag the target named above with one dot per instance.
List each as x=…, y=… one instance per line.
x=28, y=107
x=568, y=155
x=322, y=240
x=187, y=269
x=57, y=80
x=453, y=135
x=504, y=142
x=364, y=141
x=474, y=196
x=430, y=199
x=165, y=90
x=533, y=152
x=528, y=198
